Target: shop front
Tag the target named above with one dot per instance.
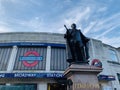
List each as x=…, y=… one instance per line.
x=32, y=81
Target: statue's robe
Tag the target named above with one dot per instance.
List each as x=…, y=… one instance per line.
x=76, y=46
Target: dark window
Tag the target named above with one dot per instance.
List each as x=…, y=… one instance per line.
x=118, y=75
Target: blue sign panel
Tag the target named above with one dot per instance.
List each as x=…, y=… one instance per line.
x=2, y=75
x=31, y=58
x=32, y=44
x=106, y=77
x=31, y=75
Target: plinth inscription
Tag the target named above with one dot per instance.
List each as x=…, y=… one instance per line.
x=85, y=86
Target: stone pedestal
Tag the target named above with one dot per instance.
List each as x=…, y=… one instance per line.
x=83, y=77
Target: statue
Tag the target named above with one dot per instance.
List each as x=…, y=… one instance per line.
x=76, y=45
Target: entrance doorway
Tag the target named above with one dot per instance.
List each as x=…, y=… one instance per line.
x=56, y=86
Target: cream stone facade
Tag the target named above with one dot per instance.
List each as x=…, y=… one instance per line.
x=46, y=73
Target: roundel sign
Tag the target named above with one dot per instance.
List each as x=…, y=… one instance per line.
x=97, y=63
x=31, y=58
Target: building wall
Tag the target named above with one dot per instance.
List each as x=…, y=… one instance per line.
x=32, y=37
x=54, y=57
x=114, y=66
x=99, y=50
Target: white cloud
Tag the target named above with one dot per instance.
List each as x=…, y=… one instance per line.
x=107, y=31
x=105, y=23
x=34, y=23
x=77, y=15
x=85, y=15
x=89, y=27
x=103, y=9
x=95, y=23
x=12, y=1
x=61, y=30
x=1, y=9
x=35, y=2
x=103, y=27
x=4, y=29
x=67, y=2
x=115, y=41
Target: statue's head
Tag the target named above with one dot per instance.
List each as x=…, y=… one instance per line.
x=73, y=26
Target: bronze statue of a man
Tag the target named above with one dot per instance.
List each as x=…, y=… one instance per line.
x=77, y=45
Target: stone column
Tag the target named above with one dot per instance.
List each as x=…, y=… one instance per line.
x=12, y=59
x=83, y=77
x=48, y=57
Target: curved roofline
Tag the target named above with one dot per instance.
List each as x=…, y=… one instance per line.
x=31, y=33
x=32, y=44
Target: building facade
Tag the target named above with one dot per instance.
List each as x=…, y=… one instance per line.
x=38, y=60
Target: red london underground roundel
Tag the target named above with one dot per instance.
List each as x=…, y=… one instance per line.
x=97, y=63
x=31, y=61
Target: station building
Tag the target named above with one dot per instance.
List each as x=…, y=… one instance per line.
x=37, y=61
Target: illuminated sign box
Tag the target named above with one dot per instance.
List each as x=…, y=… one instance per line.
x=31, y=58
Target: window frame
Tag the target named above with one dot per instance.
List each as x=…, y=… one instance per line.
x=113, y=55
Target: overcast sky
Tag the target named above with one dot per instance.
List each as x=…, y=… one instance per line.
x=98, y=19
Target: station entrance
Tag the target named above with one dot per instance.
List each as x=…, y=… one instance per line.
x=56, y=86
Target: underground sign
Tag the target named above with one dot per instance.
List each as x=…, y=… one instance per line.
x=31, y=58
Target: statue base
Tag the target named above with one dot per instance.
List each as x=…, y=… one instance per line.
x=70, y=61
x=82, y=77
